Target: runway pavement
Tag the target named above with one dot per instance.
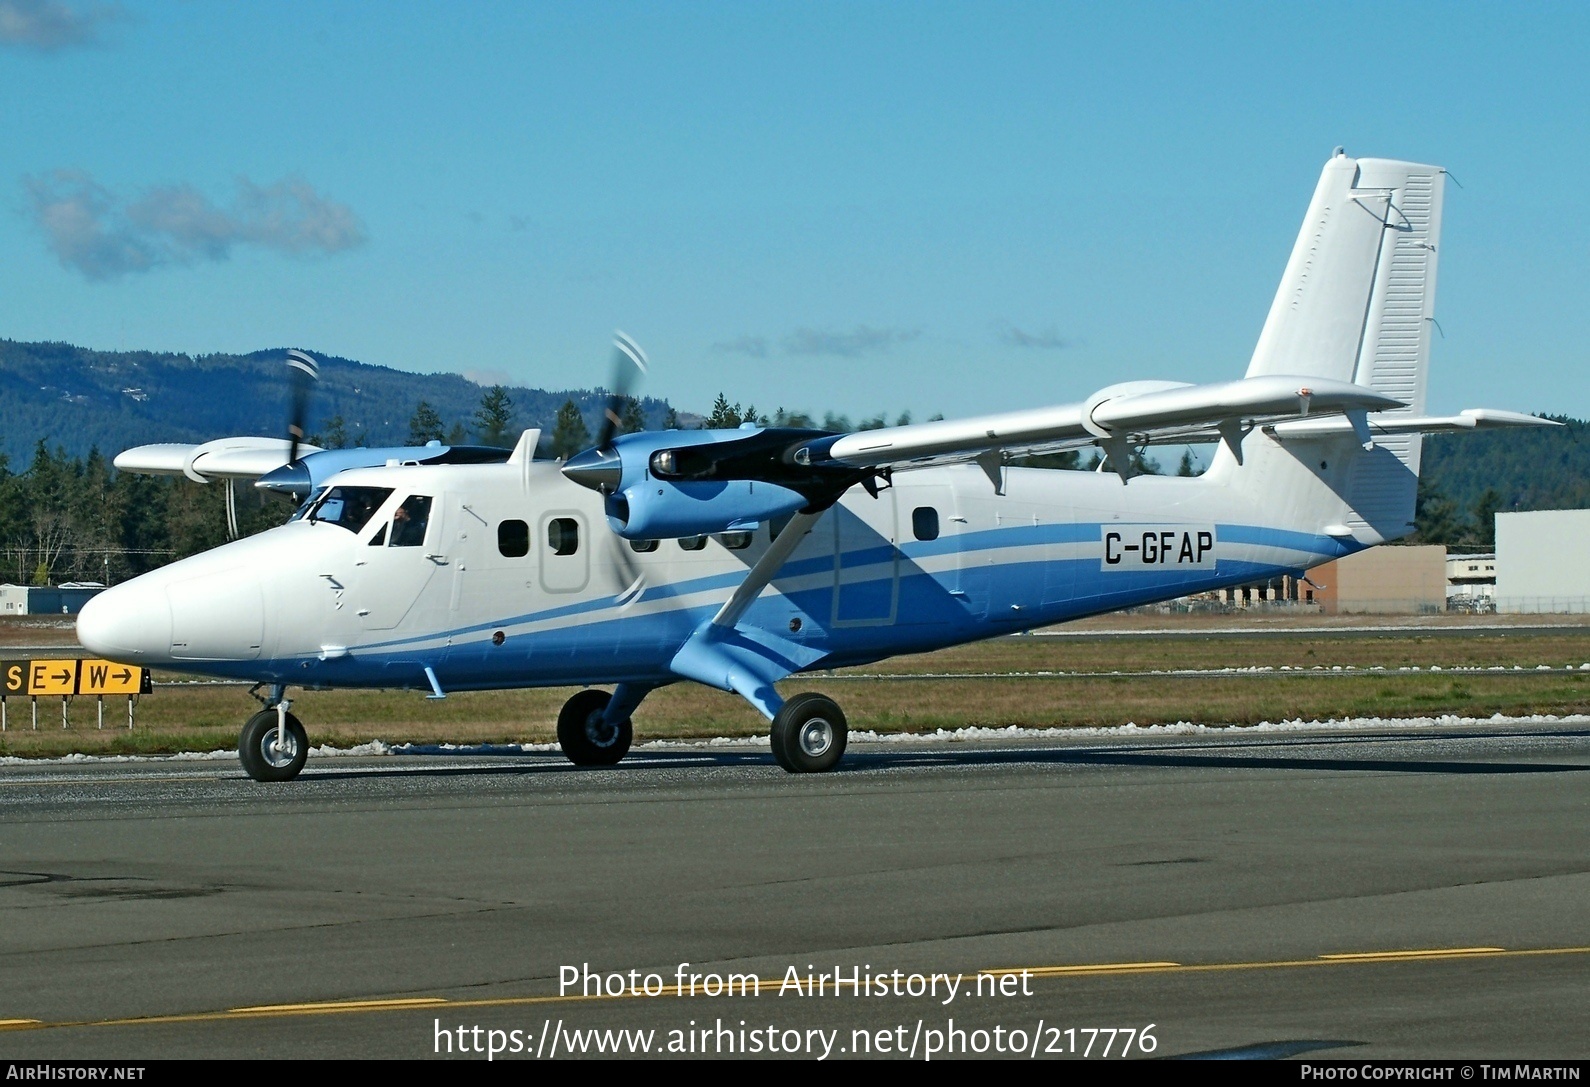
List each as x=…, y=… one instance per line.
x=1334, y=895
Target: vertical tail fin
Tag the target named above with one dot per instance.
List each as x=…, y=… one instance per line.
x=1356, y=304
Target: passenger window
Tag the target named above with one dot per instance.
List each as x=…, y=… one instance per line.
x=643, y=547
x=925, y=523
x=513, y=539
x=410, y=520
x=693, y=543
x=563, y=535
x=735, y=541
x=350, y=507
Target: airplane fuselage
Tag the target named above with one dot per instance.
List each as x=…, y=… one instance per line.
x=516, y=579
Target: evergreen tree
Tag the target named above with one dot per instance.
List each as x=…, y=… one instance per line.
x=723, y=416
x=425, y=425
x=1436, y=516
x=631, y=420
x=792, y=418
x=671, y=420
x=1485, y=510
x=458, y=435
x=1186, y=467
x=494, y=420
x=569, y=434
x=336, y=436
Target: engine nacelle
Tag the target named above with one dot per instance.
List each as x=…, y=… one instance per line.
x=657, y=509
x=672, y=484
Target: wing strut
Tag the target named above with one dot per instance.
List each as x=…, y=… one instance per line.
x=766, y=568
x=749, y=662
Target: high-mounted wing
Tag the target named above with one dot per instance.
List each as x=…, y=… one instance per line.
x=224, y=458
x=1117, y=419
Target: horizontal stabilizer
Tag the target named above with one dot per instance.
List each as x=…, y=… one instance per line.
x=1469, y=419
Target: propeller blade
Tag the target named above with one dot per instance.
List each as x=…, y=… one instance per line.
x=627, y=359
x=303, y=372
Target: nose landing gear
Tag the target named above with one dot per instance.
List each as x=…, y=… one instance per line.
x=273, y=744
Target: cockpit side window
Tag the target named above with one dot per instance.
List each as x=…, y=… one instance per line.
x=349, y=507
x=410, y=520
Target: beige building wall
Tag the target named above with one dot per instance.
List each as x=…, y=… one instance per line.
x=1389, y=580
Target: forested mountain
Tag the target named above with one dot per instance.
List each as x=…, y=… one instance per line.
x=77, y=399
x=1539, y=468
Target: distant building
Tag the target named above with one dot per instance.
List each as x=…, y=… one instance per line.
x=1471, y=582
x=1543, y=561
x=1388, y=580
x=67, y=599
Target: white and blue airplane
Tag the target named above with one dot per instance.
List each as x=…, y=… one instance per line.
x=738, y=558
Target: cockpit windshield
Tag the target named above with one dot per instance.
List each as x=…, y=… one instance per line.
x=306, y=505
x=349, y=507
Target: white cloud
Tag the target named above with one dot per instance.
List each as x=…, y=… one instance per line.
x=1047, y=340
x=755, y=346
x=858, y=341
x=91, y=230
x=48, y=25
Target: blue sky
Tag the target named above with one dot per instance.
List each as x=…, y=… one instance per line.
x=862, y=207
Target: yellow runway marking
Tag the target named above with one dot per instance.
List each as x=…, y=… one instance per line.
x=333, y=1006
x=377, y=1004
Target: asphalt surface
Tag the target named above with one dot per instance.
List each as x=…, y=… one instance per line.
x=1208, y=886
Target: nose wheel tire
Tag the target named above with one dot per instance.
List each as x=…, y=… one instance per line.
x=586, y=738
x=263, y=759
x=809, y=734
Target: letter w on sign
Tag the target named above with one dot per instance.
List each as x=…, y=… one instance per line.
x=108, y=677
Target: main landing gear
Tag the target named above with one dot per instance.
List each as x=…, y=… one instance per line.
x=273, y=744
x=586, y=735
x=809, y=733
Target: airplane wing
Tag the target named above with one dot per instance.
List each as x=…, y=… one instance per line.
x=224, y=458
x=265, y=460
x=1124, y=417
x=1137, y=412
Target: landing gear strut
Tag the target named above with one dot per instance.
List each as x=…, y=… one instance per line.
x=585, y=734
x=273, y=745
x=809, y=734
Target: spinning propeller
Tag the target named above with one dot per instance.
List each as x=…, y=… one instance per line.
x=599, y=467
x=303, y=372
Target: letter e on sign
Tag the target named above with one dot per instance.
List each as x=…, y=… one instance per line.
x=52, y=677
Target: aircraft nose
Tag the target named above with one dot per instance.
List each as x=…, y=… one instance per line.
x=131, y=622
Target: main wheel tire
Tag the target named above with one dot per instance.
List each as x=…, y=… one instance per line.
x=262, y=759
x=809, y=734
x=588, y=740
